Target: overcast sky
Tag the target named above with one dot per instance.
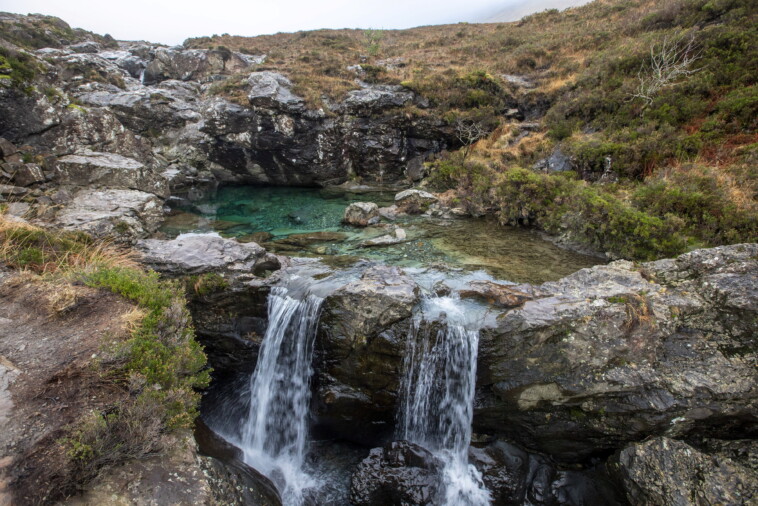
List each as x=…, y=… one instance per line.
x=172, y=21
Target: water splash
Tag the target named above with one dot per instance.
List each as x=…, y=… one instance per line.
x=275, y=435
x=438, y=394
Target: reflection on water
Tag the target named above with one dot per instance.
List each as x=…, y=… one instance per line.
x=306, y=222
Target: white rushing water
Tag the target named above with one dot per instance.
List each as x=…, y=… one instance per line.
x=438, y=394
x=275, y=435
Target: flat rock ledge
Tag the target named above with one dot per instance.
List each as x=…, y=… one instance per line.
x=202, y=253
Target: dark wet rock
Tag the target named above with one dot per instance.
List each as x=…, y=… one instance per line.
x=200, y=253
x=231, y=481
x=306, y=239
x=7, y=148
x=29, y=174
x=496, y=294
x=108, y=170
x=611, y=356
x=515, y=477
x=360, y=346
x=399, y=473
x=665, y=471
x=414, y=201
x=558, y=161
x=120, y=213
x=259, y=237
x=361, y=214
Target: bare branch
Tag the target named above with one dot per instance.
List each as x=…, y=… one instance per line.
x=669, y=63
x=468, y=132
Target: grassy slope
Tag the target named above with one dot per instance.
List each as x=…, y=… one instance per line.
x=152, y=375
x=685, y=161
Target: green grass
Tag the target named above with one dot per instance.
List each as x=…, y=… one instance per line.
x=157, y=370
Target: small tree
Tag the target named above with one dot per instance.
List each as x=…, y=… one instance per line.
x=669, y=62
x=468, y=132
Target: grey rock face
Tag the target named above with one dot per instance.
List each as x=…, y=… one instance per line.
x=361, y=214
x=360, y=346
x=269, y=89
x=664, y=471
x=375, y=98
x=191, y=64
x=108, y=170
x=611, y=356
x=171, y=104
x=399, y=473
x=124, y=213
x=199, y=253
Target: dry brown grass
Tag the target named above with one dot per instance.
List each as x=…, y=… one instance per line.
x=549, y=45
x=26, y=246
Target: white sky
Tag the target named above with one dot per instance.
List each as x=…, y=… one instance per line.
x=172, y=21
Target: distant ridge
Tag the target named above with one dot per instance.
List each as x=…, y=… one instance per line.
x=526, y=7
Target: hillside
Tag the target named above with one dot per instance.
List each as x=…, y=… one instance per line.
x=562, y=142
x=685, y=157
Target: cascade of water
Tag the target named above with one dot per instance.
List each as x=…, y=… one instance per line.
x=438, y=395
x=274, y=437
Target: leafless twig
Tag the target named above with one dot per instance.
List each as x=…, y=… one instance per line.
x=669, y=62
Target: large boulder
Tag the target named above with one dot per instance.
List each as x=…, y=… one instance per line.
x=514, y=477
x=414, y=201
x=201, y=253
x=399, y=473
x=360, y=346
x=375, y=98
x=616, y=353
x=665, y=471
x=126, y=214
x=269, y=89
x=108, y=170
x=148, y=110
x=361, y=214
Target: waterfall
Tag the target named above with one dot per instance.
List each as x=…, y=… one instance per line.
x=438, y=394
x=275, y=434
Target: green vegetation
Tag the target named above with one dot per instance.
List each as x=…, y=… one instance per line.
x=561, y=204
x=153, y=374
x=204, y=284
x=19, y=67
x=651, y=176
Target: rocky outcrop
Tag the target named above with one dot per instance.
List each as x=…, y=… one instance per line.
x=192, y=64
x=616, y=353
x=125, y=214
x=200, y=253
x=108, y=170
x=514, y=476
x=664, y=471
x=360, y=346
x=399, y=473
